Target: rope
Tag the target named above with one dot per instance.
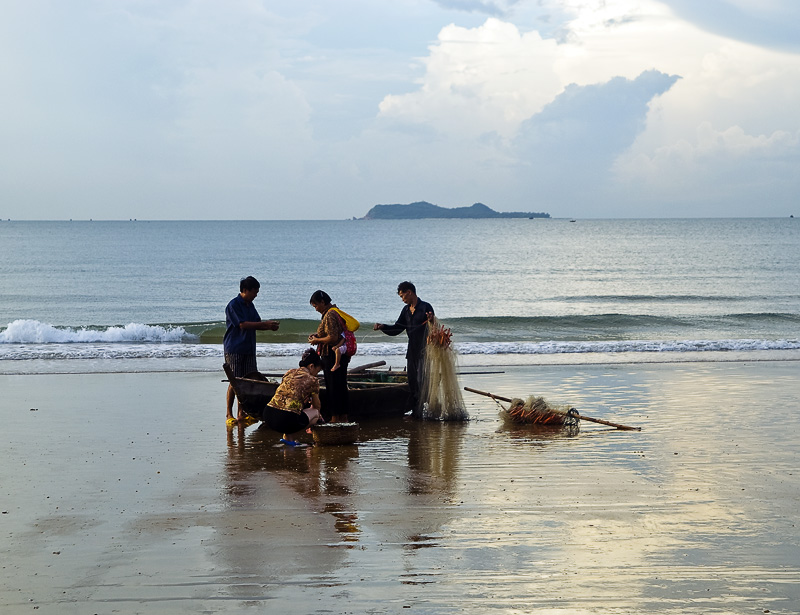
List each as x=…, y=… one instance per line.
x=497, y=402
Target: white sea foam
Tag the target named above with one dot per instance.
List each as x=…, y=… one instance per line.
x=35, y=332
x=148, y=342
x=625, y=346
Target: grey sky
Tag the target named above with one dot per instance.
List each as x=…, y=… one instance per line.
x=201, y=109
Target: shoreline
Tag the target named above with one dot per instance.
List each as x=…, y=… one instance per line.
x=397, y=362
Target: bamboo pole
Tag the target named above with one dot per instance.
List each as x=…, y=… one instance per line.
x=580, y=416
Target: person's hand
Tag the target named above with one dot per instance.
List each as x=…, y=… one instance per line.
x=429, y=316
x=272, y=325
x=377, y=326
x=312, y=338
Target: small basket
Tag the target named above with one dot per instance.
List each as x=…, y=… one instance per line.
x=335, y=433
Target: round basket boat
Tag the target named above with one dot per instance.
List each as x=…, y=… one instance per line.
x=335, y=433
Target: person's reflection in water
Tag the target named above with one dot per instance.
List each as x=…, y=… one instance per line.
x=320, y=474
x=434, y=449
x=283, y=510
x=434, y=453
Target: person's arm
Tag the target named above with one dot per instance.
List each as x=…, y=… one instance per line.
x=261, y=325
x=315, y=403
x=396, y=329
x=315, y=339
x=328, y=332
x=236, y=314
x=429, y=312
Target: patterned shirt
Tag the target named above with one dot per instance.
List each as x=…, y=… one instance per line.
x=331, y=324
x=295, y=390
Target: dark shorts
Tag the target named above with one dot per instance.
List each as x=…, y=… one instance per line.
x=284, y=421
x=241, y=364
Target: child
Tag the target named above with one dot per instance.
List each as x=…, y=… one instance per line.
x=347, y=344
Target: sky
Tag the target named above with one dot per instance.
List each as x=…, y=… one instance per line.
x=258, y=109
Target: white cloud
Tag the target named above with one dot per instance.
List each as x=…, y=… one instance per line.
x=733, y=169
x=485, y=79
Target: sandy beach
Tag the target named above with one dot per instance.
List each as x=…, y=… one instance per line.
x=125, y=493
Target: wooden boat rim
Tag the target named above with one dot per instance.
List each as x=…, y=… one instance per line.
x=388, y=385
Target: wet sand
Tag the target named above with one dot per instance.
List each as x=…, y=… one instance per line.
x=125, y=493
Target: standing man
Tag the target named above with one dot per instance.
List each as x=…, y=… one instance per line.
x=413, y=320
x=242, y=321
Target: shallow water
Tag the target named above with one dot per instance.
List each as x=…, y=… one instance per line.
x=125, y=493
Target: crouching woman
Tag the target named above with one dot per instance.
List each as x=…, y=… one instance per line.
x=295, y=405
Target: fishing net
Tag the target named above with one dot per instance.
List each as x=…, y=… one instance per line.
x=537, y=411
x=441, y=395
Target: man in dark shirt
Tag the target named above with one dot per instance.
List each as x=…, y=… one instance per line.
x=413, y=320
x=239, y=344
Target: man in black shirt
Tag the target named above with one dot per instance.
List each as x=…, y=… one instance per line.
x=413, y=320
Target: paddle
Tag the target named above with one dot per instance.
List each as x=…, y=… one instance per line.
x=580, y=416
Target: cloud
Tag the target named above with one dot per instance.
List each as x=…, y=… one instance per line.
x=479, y=80
x=569, y=148
x=736, y=172
x=493, y=8
x=263, y=109
x=769, y=23
x=477, y=6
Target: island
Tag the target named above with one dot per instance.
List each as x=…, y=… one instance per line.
x=423, y=209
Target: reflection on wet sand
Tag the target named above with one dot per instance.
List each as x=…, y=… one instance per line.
x=695, y=512
x=323, y=476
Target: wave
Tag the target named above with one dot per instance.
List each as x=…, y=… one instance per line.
x=580, y=329
x=35, y=332
x=534, y=348
x=667, y=298
x=115, y=351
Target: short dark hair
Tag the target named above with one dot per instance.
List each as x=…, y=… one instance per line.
x=320, y=296
x=248, y=283
x=310, y=357
x=404, y=286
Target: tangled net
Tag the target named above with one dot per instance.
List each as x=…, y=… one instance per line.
x=537, y=411
x=441, y=395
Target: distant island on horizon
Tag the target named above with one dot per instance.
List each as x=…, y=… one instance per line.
x=423, y=209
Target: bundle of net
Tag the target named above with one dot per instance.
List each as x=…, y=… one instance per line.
x=537, y=411
x=441, y=395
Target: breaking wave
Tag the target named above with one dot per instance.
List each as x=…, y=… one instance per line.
x=35, y=332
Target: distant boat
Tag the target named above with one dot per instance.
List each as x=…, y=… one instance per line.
x=573, y=220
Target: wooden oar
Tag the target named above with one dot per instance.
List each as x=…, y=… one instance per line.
x=361, y=368
x=580, y=416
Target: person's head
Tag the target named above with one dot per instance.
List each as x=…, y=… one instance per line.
x=320, y=301
x=311, y=361
x=249, y=287
x=407, y=292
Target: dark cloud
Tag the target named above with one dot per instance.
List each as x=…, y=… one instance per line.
x=776, y=25
x=575, y=139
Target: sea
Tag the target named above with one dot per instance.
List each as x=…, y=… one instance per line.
x=136, y=296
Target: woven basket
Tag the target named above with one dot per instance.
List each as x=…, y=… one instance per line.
x=335, y=433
